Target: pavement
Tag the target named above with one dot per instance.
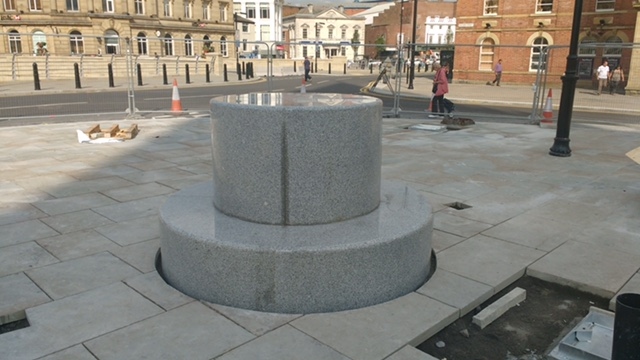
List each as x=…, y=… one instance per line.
x=79, y=234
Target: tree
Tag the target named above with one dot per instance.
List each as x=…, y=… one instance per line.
x=380, y=45
x=355, y=44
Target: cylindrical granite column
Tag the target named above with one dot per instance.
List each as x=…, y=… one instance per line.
x=296, y=159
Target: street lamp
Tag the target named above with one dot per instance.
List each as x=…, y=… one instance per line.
x=412, y=48
x=317, y=46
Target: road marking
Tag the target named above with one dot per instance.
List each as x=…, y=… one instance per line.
x=323, y=81
x=43, y=105
x=279, y=90
x=182, y=97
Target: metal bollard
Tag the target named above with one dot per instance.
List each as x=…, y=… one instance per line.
x=36, y=77
x=344, y=70
x=207, y=76
x=248, y=73
x=188, y=78
x=329, y=68
x=110, y=72
x=76, y=74
x=243, y=69
x=250, y=70
x=139, y=67
x=238, y=71
x=295, y=67
x=165, y=81
x=225, y=73
x=370, y=68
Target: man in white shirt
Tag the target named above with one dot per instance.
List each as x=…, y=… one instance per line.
x=602, y=73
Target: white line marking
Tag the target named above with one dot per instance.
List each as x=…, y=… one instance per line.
x=182, y=97
x=42, y=105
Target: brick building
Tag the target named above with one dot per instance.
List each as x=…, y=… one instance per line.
x=518, y=31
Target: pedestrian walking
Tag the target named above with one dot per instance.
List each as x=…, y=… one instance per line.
x=307, y=68
x=441, y=87
x=615, y=78
x=602, y=74
x=498, y=72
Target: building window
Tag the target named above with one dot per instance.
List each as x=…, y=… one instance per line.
x=76, y=43
x=207, y=44
x=343, y=50
x=188, y=10
x=143, y=46
x=237, y=7
x=35, y=5
x=305, y=52
x=330, y=32
x=9, y=5
x=166, y=8
x=244, y=44
x=544, y=6
x=224, y=7
x=490, y=7
x=264, y=10
x=139, y=5
x=108, y=6
x=15, y=42
x=611, y=49
x=537, y=51
x=317, y=31
x=251, y=10
x=245, y=27
x=188, y=45
x=206, y=10
x=305, y=33
x=168, y=45
x=265, y=32
x=585, y=48
x=223, y=46
x=72, y=5
x=605, y=5
x=486, y=55
x=112, y=42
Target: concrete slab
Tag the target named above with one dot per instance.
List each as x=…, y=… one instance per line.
x=458, y=225
x=73, y=203
x=142, y=255
x=17, y=293
x=156, y=175
x=88, y=186
x=24, y=232
x=494, y=262
x=572, y=212
x=632, y=286
x=132, y=231
x=105, y=174
x=82, y=274
x=76, y=221
x=164, y=336
x=132, y=209
x=284, y=342
x=17, y=212
x=70, y=321
x=258, y=323
x=11, y=192
x=77, y=352
x=153, y=287
x=182, y=183
x=442, y=240
x=533, y=231
x=457, y=291
x=23, y=257
x=499, y=307
x=410, y=353
x=152, y=165
x=378, y=331
x=77, y=244
x=136, y=192
x=592, y=268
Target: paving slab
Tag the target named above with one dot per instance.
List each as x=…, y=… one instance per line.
x=499, y=307
x=77, y=352
x=533, y=231
x=78, y=275
x=442, y=240
x=24, y=231
x=164, y=336
x=141, y=256
x=136, y=192
x=17, y=293
x=494, y=262
x=70, y=321
x=410, y=353
x=154, y=288
x=88, y=186
x=77, y=244
x=573, y=212
x=458, y=225
x=156, y=175
x=378, y=331
x=25, y=256
x=18, y=212
x=257, y=322
x=76, y=221
x=73, y=203
x=132, y=209
x=632, y=286
x=592, y=268
x=132, y=231
x=455, y=290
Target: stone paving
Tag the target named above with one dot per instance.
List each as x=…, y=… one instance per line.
x=79, y=235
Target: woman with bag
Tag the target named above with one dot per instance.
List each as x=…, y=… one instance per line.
x=615, y=78
x=441, y=87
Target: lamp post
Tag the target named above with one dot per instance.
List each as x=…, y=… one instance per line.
x=412, y=48
x=561, y=141
x=317, y=46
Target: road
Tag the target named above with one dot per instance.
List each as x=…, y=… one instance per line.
x=108, y=105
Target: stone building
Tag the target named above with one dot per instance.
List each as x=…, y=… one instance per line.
x=88, y=27
x=259, y=39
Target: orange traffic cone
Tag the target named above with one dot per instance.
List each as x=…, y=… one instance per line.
x=303, y=88
x=176, y=104
x=547, y=113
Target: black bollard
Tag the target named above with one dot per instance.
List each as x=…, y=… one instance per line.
x=186, y=70
x=238, y=71
x=252, y=73
x=344, y=70
x=206, y=74
x=243, y=69
x=295, y=67
x=110, y=72
x=247, y=74
x=626, y=327
x=249, y=70
x=408, y=76
x=36, y=77
x=76, y=73
x=139, y=67
x=225, y=73
x=165, y=81
x=370, y=68
x=329, y=68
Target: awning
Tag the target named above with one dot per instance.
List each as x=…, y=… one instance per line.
x=239, y=19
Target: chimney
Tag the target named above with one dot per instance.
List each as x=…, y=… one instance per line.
x=310, y=8
x=341, y=8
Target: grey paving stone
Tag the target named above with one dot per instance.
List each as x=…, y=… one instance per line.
x=164, y=336
x=45, y=181
x=132, y=231
x=18, y=212
x=70, y=321
x=136, y=192
x=73, y=203
x=77, y=352
x=455, y=290
x=25, y=256
x=77, y=244
x=487, y=260
x=592, y=268
x=17, y=293
x=573, y=212
x=76, y=221
x=182, y=183
x=198, y=168
x=108, y=172
x=25, y=231
x=88, y=186
x=82, y=274
x=617, y=236
x=10, y=192
x=152, y=165
x=442, y=240
x=154, y=288
x=533, y=231
x=258, y=323
x=458, y=225
x=132, y=209
x=156, y=175
x=499, y=307
x=410, y=353
x=632, y=286
x=378, y=331
x=463, y=189
x=284, y=343
x=140, y=255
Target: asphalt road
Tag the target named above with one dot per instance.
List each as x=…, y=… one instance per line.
x=109, y=105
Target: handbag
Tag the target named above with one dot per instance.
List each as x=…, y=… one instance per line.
x=434, y=89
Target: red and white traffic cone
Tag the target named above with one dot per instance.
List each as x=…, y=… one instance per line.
x=303, y=88
x=547, y=113
x=176, y=104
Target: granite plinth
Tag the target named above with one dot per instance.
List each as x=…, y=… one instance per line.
x=296, y=159
x=296, y=269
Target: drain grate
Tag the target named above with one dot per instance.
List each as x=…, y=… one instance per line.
x=458, y=205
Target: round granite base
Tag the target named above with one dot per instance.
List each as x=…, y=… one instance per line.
x=345, y=265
